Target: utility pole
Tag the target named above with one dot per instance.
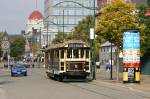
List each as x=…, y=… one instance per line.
x=36, y=4
x=94, y=44
x=47, y=34
x=63, y=23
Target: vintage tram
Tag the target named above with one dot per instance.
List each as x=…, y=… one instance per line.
x=68, y=60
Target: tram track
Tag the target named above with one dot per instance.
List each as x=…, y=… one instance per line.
x=92, y=91
x=102, y=85
x=113, y=95
x=126, y=88
x=77, y=86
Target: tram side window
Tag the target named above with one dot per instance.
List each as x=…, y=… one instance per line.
x=69, y=53
x=62, y=53
x=51, y=58
x=87, y=53
x=82, y=53
x=75, y=53
x=52, y=55
x=56, y=53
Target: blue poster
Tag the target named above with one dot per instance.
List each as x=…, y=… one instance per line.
x=131, y=40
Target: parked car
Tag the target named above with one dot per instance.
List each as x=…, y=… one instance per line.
x=27, y=65
x=11, y=63
x=18, y=69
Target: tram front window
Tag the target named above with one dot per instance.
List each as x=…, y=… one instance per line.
x=82, y=53
x=75, y=53
x=87, y=53
x=62, y=54
x=69, y=53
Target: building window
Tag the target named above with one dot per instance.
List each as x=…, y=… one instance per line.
x=104, y=49
x=107, y=49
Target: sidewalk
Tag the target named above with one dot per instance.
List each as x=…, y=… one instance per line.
x=2, y=96
x=104, y=76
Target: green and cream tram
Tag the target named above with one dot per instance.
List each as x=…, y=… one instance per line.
x=68, y=60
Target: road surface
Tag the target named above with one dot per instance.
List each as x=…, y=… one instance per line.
x=37, y=86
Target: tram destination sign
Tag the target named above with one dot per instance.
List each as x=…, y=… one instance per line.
x=75, y=45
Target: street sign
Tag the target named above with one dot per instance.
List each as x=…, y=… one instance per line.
x=5, y=45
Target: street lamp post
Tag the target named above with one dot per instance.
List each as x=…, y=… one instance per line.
x=94, y=70
x=111, y=61
x=92, y=37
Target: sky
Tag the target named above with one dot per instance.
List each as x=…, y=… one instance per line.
x=14, y=14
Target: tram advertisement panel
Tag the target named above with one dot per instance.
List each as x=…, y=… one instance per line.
x=131, y=55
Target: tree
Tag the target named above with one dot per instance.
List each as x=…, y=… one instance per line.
x=81, y=31
x=148, y=2
x=115, y=17
x=145, y=40
x=1, y=35
x=17, y=48
x=59, y=37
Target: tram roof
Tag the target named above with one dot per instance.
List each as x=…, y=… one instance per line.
x=60, y=45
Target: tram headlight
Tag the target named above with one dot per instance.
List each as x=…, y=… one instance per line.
x=86, y=66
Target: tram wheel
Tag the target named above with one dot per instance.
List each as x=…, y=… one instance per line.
x=56, y=77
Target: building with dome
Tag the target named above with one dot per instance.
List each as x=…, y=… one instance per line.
x=34, y=32
x=35, y=21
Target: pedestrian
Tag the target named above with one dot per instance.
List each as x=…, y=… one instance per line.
x=107, y=66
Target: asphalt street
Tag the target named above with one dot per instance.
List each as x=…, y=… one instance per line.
x=37, y=86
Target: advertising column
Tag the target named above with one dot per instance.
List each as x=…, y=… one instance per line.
x=131, y=56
